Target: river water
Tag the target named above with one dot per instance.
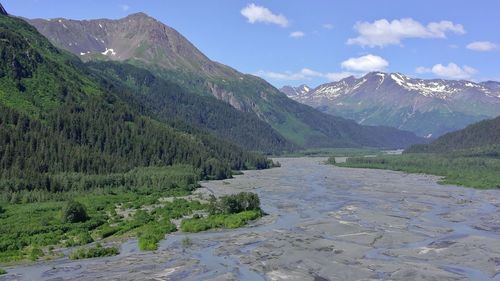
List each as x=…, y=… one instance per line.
x=323, y=223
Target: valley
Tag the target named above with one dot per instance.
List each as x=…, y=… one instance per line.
x=323, y=223
x=128, y=153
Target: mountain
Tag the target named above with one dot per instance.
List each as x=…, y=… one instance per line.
x=494, y=86
x=3, y=11
x=296, y=91
x=480, y=137
x=147, y=43
x=172, y=104
x=428, y=108
x=57, y=118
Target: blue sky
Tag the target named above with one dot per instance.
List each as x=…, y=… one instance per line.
x=298, y=41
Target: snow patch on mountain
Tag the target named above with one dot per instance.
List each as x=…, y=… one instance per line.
x=109, y=51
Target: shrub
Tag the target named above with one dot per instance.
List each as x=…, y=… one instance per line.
x=153, y=233
x=219, y=220
x=74, y=212
x=234, y=203
x=186, y=242
x=94, y=252
x=2, y=271
x=35, y=253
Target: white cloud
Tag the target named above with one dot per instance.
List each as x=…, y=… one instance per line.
x=451, y=71
x=303, y=74
x=297, y=34
x=381, y=32
x=255, y=14
x=365, y=63
x=125, y=7
x=336, y=76
x=328, y=26
x=482, y=46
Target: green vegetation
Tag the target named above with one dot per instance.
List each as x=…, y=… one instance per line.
x=113, y=211
x=234, y=203
x=2, y=271
x=74, y=212
x=337, y=152
x=230, y=211
x=57, y=117
x=219, y=221
x=94, y=252
x=478, y=172
x=186, y=242
x=80, y=161
x=153, y=233
x=171, y=103
x=479, y=139
x=468, y=157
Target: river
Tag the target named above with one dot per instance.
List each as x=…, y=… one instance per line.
x=323, y=223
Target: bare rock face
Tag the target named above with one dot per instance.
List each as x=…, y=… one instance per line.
x=3, y=11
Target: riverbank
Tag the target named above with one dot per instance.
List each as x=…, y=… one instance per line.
x=324, y=223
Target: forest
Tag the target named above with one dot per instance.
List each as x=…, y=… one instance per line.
x=81, y=161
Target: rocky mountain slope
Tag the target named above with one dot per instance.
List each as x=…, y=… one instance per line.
x=429, y=108
x=145, y=42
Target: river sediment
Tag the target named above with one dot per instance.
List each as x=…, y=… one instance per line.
x=323, y=223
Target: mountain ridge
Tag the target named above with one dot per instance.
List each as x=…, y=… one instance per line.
x=428, y=107
x=145, y=42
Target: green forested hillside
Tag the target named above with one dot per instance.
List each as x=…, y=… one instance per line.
x=174, y=104
x=56, y=118
x=469, y=157
x=300, y=124
x=480, y=137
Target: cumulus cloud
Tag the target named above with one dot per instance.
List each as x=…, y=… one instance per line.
x=303, y=74
x=365, y=63
x=297, y=34
x=451, y=71
x=328, y=26
x=255, y=14
x=482, y=46
x=381, y=32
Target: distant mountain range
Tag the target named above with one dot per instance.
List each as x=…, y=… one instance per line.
x=429, y=108
x=147, y=43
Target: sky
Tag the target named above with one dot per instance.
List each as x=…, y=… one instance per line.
x=293, y=42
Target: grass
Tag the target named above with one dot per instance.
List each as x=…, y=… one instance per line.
x=477, y=172
x=219, y=221
x=153, y=233
x=2, y=271
x=94, y=252
x=337, y=152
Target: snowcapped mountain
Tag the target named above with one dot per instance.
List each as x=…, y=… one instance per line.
x=296, y=91
x=429, y=108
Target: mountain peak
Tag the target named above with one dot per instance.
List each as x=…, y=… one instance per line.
x=139, y=15
x=296, y=91
x=3, y=11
